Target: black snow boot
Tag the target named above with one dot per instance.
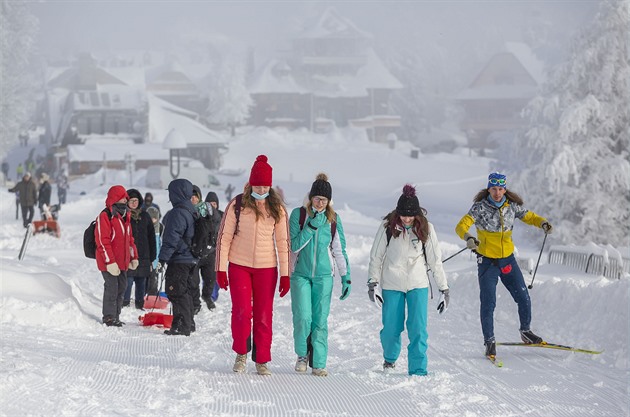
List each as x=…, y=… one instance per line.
x=176, y=332
x=209, y=303
x=527, y=336
x=491, y=348
x=126, y=303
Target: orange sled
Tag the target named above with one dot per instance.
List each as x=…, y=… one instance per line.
x=46, y=226
x=153, y=302
x=157, y=319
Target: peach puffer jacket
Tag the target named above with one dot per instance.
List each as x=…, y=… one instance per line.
x=258, y=244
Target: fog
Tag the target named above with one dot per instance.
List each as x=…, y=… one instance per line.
x=68, y=27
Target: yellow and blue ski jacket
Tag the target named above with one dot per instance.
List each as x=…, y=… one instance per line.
x=494, y=226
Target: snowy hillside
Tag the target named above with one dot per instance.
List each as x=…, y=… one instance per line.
x=57, y=359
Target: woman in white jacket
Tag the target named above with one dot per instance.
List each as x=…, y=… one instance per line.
x=404, y=249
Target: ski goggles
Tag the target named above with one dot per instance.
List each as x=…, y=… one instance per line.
x=497, y=181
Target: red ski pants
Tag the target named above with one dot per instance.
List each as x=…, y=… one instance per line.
x=252, y=291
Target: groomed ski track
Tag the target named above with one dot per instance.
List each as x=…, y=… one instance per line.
x=93, y=370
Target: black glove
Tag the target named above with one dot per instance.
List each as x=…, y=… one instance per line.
x=547, y=228
x=471, y=242
x=161, y=266
x=443, y=301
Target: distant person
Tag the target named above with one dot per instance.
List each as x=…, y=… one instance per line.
x=210, y=290
x=28, y=198
x=62, y=188
x=228, y=191
x=319, y=243
x=194, y=286
x=5, y=171
x=255, y=251
x=144, y=238
x=176, y=257
x=45, y=191
x=152, y=282
x=493, y=212
x=148, y=202
x=405, y=248
x=19, y=171
x=116, y=252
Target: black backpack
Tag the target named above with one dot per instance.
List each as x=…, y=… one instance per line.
x=89, y=242
x=204, y=239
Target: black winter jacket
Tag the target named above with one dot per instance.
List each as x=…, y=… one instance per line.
x=144, y=236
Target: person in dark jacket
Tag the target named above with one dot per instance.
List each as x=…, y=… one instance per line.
x=28, y=197
x=179, y=228
x=115, y=252
x=45, y=191
x=144, y=237
x=210, y=289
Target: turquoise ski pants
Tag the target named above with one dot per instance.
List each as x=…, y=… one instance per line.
x=310, y=304
x=394, y=323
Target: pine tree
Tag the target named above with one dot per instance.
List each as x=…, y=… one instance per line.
x=17, y=34
x=576, y=166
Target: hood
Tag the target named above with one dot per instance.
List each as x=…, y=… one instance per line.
x=114, y=194
x=133, y=193
x=179, y=191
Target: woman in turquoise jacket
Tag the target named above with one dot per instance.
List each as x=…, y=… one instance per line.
x=318, y=244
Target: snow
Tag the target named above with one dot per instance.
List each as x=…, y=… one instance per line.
x=57, y=359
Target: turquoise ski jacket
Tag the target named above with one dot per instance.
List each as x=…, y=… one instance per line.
x=314, y=252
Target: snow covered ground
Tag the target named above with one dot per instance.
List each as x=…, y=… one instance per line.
x=57, y=359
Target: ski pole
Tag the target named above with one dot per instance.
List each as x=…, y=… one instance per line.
x=452, y=256
x=531, y=285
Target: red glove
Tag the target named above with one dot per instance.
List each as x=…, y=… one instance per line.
x=285, y=285
x=222, y=279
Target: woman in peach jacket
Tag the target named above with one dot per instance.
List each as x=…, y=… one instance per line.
x=253, y=244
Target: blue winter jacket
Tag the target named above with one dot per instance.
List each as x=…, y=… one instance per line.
x=179, y=224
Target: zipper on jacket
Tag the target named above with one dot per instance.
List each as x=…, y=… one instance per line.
x=501, y=223
x=314, y=254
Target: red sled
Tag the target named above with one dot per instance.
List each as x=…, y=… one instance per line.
x=157, y=319
x=158, y=302
x=46, y=226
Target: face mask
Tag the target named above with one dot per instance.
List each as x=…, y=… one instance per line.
x=259, y=196
x=121, y=208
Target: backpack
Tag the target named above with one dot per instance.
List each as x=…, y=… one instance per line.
x=204, y=239
x=89, y=241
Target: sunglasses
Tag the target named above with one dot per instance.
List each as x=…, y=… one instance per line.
x=497, y=181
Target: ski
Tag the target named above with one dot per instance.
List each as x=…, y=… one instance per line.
x=551, y=346
x=27, y=237
x=495, y=361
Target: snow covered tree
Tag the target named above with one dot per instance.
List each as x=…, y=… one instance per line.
x=229, y=100
x=575, y=164
x=17, y=34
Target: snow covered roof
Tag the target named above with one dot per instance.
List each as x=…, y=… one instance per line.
x=274, y=78
x=114, y=150
x=155, y=101
x=56, y=100
x=109, y=97
x=162, y=119
x=526, y=57
x=331, y=24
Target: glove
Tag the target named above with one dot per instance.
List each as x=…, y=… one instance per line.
x=133, y=264
x=547, y=227
x=345, y=287
x=471, y=242
x=285, y=285
x=443, y=301
x=161, y=266
x=371, y=286
x=113, y=269
x=318, y=220
x=222, y=279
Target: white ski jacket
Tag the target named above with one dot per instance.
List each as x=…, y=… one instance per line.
x=400, y=266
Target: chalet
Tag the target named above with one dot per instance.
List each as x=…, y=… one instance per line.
x=86, y=101
x=331, y=77
x=493, y=102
